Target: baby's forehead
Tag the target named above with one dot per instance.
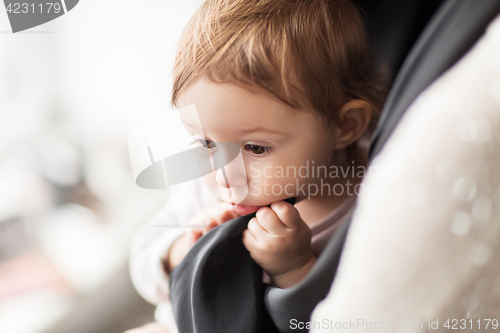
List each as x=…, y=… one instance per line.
x=237, y=107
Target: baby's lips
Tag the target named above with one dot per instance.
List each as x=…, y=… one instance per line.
x=245, y=210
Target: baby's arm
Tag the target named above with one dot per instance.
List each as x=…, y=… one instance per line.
x=180, y=247
x=280, y=242
x=149, y=246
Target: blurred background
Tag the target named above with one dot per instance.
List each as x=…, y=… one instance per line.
x=71, y=91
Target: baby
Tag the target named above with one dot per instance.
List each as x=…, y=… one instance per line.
x=292, y=83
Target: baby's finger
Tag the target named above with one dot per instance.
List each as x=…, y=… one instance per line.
x=249, y=240
x=268, y=219
x=287, y=214
x=218, y=220
x=226, y=216
x=194, y=235
x=210, y=225
x=256, y=229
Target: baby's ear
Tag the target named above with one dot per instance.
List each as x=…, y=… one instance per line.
x=353, y=120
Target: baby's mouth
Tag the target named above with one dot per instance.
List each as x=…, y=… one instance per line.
x=241, y=209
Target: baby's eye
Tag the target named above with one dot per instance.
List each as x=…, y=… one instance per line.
x=257, y=150
x=207, y=144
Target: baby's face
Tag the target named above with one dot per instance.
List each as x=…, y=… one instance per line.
x=274, y=140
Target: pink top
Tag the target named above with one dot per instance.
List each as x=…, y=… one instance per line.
x=323, y=230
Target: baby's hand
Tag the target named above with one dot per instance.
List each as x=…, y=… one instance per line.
x=280, y=242
x=195, y=233
x=184, y=243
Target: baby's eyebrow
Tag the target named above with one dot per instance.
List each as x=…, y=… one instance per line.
x=261, y=129
x=248, y=130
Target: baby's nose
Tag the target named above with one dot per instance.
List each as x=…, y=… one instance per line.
x=229, y=177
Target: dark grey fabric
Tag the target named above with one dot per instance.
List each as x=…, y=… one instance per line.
x=217, y=288
x=393, y=27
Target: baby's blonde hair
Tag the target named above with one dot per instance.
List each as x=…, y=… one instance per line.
x=312, y=55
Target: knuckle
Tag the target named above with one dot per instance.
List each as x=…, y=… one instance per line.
x=267, y=224
x=283, y=209
x=282, y=243
x=263, y=247
x=262, y=212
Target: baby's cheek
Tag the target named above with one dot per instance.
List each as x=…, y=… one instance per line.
x=210, y=182
x=270, y=189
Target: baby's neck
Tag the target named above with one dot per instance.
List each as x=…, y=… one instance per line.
x=317, y=207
